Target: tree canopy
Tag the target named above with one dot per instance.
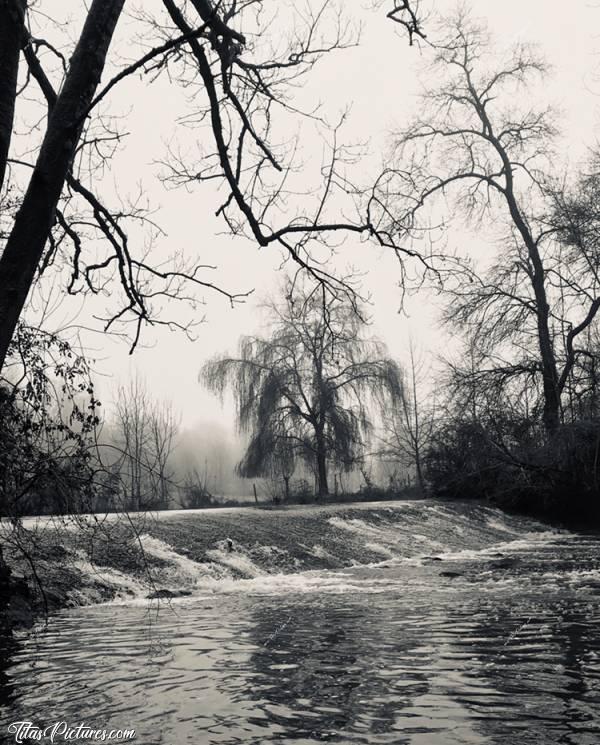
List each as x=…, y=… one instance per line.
x=310, y=388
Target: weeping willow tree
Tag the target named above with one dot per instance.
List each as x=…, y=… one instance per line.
x=310, y=389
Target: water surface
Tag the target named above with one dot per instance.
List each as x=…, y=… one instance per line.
x=499, y=644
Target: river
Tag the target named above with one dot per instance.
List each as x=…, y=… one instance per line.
x=471, y=627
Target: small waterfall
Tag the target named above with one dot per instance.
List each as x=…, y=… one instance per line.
x=302, y=549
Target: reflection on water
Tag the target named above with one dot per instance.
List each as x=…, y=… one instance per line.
x=501, y=650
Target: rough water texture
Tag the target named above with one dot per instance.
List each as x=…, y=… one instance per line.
x=89, y=560
x=422, y=623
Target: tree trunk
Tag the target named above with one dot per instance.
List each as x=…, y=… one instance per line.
x=11, y=25
x=551, y=413
x=419, y=470
x=286, y=481
x=323, y=488
x=417, y=421
x=33, y=223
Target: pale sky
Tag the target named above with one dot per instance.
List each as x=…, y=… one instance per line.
x=379, y=80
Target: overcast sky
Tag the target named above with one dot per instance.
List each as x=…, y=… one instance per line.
x=379, y=80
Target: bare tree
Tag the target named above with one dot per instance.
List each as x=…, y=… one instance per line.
x=244, y=64
x=575, y=273
x=164, y=425
x=407, y=430
x=473, y=142
x=144, y=436
x=310, y=388
x=132, y=439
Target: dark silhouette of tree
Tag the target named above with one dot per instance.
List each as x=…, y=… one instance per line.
x=309, y=389
x=575, y=218
x=34, y=218
x=11, y=20
x=497, y=311
x=472, y=142
x=243, y=64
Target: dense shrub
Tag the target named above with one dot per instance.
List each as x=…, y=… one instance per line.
x=516, y=466
x=48, y=417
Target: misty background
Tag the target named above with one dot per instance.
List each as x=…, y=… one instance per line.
x=375, y=86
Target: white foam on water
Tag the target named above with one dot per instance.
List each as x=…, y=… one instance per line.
x=123, y=584
x=377, y=548
x=182, y=570
x=391, y=539
x=539, y=581
x=393, y=562
x=311, y=582
x=353, y=525
x=485, y=516
x=525, y=543
x=235, y=560
x=498, y=524
x=427, y=540
x=574, y=576
x=319, y=552
x=377, y=537
x=327, y=582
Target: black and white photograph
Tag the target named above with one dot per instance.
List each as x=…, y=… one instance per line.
x=300, y=372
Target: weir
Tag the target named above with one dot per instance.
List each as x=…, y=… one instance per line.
x=186, y=553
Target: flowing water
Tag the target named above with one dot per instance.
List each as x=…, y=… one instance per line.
x=452, y=625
